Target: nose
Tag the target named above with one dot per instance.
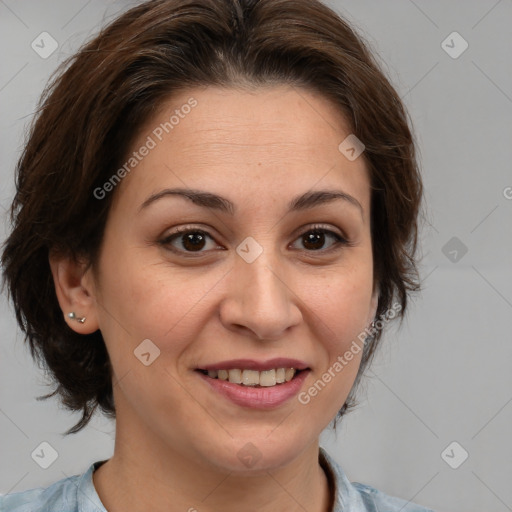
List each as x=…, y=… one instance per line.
x=260, y=300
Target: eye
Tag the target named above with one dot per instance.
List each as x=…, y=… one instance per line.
x=186, y=240
x=314, y=239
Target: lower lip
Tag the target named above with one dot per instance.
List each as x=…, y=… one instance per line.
x=257, y=398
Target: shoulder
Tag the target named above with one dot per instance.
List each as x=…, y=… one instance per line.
x=378, y=500
x=72, y=494
x=358, y=497
x=58, y=497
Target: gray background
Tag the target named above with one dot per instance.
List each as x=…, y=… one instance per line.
x=445, y=376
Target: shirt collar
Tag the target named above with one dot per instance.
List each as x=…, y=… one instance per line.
x=346, y=496
x=87, y=497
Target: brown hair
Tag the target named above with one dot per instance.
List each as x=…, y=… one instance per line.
x=91, y=111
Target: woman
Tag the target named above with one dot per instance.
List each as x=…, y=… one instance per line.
x=215, y=218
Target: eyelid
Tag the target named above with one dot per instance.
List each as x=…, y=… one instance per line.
x=328, y=228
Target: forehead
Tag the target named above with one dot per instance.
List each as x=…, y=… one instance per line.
x=276, y=138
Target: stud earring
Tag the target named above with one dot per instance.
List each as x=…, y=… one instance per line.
x=74, y=317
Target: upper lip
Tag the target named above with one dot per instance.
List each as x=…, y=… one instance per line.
x=252, y=364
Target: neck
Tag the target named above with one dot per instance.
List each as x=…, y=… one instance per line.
x=144, y=474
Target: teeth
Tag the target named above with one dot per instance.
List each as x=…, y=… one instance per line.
x=250, y=377
x=289, y=373
x=266, y=378
x=235, y=376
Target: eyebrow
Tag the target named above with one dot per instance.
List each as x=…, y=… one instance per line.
x=208, y=200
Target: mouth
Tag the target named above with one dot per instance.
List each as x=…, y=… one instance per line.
x=253, y=385
x=253, y=378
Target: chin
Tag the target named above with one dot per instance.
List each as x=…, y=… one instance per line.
x=254, y=454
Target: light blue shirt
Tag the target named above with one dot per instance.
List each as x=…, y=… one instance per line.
x=77, y=494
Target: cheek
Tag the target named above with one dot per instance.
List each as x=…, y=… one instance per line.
x=342, y=310
x=342, y=301
x=151, y=300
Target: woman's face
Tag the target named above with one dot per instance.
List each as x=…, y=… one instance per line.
x=261, y=280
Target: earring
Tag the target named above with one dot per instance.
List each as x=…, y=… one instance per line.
x=74, y=317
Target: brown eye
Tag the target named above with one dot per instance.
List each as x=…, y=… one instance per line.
x=187, y=241
x=193, y=241
x=315, y=239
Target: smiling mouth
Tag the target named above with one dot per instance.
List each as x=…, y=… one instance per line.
x=254, y=378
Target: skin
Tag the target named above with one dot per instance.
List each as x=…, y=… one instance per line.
x=176, y=440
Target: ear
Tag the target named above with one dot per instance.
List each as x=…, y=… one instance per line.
x=74, y=286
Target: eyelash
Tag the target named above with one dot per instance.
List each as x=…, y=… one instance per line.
x=339, y=241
